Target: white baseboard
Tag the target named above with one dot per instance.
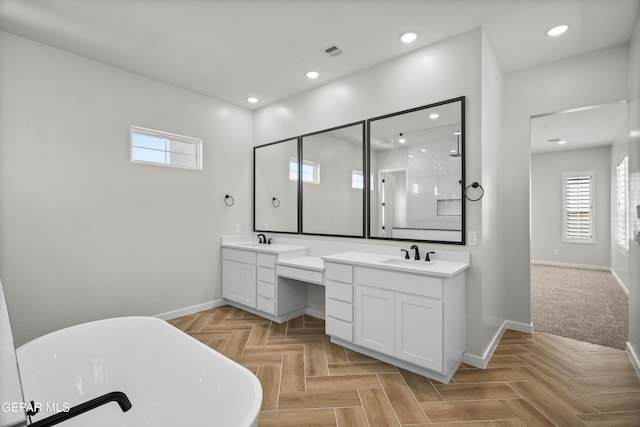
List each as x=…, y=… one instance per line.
x=570, y=265
x=624, y=288
x=190, y=310
x=633, y=356
x=483, y=361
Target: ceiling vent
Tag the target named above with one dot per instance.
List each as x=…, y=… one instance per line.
x=333, y=50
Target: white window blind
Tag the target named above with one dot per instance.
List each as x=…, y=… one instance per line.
x=577, y=207
x=165, y=149
x=621, y=203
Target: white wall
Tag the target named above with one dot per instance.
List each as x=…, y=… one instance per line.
x=634, y=190
x=595, y=78
x=445, y=70
x=85, y=233
x=619, y=255
x=546, y=207
x=333, y=206
x=272, y=180
x=494, y=148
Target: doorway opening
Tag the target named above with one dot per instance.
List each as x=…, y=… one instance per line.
x=574, y=290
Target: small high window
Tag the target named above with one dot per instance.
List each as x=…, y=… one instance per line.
x=577, y=207
x=310, y=171
x=165, y=149
x=357, y=180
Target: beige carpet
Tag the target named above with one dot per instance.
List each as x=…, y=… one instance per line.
x=587, y=305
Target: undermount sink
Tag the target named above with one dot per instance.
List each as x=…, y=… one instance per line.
x=411, y=263
x=253, y=245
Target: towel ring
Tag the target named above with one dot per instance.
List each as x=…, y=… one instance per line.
x=275, y=202
x=474, y=185
x=228, y=200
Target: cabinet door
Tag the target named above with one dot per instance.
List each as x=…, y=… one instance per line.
x=419, y=325
x=239, y=282
x=375, y=319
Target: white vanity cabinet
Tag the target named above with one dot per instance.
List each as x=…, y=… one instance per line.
x=266, y=283
x=249, y=281
x=401, y=315
x=412, y=317
x=339, y=300
x=239, y=276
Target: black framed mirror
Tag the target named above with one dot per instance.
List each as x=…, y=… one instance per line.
x=416, y=169
x=275, y=187
x=333, y=181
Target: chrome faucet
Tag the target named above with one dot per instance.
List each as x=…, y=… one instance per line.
x=262, y=239
x=426, y=258
x=417, y=253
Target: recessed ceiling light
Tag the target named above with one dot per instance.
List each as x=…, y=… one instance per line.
x=402, y=140
x=408, y=37
x=312, y=75
x=423, y=150
x=434, y=116
x=558, y=30
x=562, y=142
x=252, y=99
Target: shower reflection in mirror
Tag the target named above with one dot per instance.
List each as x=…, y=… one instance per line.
x=416, y=159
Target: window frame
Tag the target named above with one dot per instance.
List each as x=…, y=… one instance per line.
x=168, y=137
x=622, y=204
x=567, y=236
x=293, y=173
x=357, y=180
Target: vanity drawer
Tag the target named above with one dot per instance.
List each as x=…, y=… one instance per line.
x=238, y=255
x=267, y=305
x=267, y=290
x=339, y=291
x=339, y=329
x=267, y=260
x=300, y=274
x=266, y=275
x=339, y=310
x=415, y=284
x=339, y=272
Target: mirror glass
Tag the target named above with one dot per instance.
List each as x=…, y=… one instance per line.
x=275, y=187
x=416, y=163
x=332, y=181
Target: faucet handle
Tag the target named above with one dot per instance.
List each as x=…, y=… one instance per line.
x=426, y=258
x=406, y=253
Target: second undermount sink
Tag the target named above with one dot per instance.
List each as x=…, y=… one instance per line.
x=411, y=263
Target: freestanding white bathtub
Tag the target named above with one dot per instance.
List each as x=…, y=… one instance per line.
x=170, y=378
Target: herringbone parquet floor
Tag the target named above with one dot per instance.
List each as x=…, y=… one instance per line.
x=532, y=380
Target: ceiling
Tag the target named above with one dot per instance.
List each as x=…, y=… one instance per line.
x=590, y=126
x=232, y=49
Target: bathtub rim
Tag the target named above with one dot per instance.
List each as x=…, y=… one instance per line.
x=256, y=405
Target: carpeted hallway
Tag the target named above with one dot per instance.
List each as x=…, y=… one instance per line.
x=586, y=305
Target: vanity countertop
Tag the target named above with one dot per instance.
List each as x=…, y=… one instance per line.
x=436, y=267
x=274, y=248
x=305, y=262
